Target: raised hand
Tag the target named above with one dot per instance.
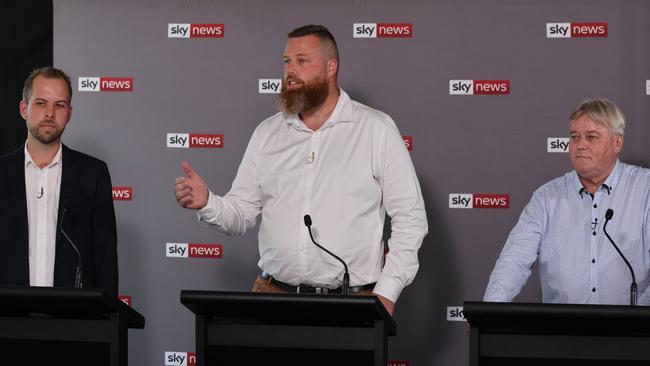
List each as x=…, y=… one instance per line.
x=191, y=190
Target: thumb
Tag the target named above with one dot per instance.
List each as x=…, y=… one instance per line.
x=189, y=172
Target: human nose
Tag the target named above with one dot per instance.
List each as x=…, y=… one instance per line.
x=289, y=69
x=579, y=144
x=49, y=111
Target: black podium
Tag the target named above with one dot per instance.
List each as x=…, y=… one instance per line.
x=287, y=329
x=44, y=325
x=557, y=334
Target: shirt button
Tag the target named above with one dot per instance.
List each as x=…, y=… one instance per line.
x=594, y=233
x=593, y=260
x=595, y=205
x=593, y=289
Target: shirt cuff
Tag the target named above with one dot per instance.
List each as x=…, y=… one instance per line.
x=388, y=288
x=208, y=208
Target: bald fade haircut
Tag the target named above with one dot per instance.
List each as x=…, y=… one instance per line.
x=328, y=43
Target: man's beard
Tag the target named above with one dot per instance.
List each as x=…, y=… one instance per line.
x=310, y=96
x=42, y=137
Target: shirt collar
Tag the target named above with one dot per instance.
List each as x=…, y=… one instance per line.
x=56, y=160
x=343, y=112
x=609, y=184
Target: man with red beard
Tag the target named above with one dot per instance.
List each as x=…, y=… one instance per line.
x=327, y=156
x=57, y=216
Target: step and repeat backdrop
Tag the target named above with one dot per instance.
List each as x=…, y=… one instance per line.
x=480, y=90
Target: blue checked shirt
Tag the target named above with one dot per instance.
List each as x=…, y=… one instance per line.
x=562, y=229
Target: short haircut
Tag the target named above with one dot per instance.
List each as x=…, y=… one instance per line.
x=323, y=34
x=47, y=72
x=602, y=111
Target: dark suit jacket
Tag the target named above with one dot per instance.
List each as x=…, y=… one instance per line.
x=89, y=221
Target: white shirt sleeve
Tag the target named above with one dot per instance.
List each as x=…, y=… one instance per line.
x=402, y=199
x=237, y=211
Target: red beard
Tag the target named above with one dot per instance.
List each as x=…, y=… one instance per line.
x=309, y=96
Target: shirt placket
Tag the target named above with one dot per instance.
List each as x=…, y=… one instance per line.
x=42, y=225
x=311, y=163
x=595, y=234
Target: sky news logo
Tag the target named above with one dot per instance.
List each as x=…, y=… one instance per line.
x=122, y=193
x=479, y=87
x=194, y=140
x=269, y=86
x=382, y=30
x=557, y=144
x=398, y=363
x=576, y=30
x=455, y=314
x=126, y=299
x=104, y=84
x=185, y=30
x=190, y=250
x=408, y=141
x=180, y=359
x=479, y=200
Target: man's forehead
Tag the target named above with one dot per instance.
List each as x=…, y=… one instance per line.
x=595, y=128
x=302, y=45
x=49, y=89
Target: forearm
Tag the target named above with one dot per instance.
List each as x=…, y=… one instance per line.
x=228, y=215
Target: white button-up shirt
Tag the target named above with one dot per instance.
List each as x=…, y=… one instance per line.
x=42, y=186
x=347, y=175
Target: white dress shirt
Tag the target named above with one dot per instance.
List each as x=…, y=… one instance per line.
x=42, y=186
x=347, y=175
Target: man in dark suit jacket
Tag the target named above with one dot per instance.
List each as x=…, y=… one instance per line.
x=83, y=210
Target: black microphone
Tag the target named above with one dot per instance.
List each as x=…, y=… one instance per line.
x=78, y=283
x=346, y=275
x=633, y=288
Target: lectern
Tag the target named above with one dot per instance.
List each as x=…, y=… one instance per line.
x=288, y=329
x=557, y=334
x=44, y=325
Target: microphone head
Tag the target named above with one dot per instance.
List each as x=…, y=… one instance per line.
x=307, y=220
x=609, y=214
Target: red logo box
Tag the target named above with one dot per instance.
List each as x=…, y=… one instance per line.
x=206, y=140
x=484, y=200
x=205, y=250
x=394, y=30
x=589, y=30
x=115, y=84
x=206, y=30
x=122, y=193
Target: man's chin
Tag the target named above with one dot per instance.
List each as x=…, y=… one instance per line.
x=47, y=139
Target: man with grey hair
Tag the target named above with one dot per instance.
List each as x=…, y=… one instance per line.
x=562, y=226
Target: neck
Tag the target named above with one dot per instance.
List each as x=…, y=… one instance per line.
x=42, y=154
x=592, y=184
x=316, y=117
